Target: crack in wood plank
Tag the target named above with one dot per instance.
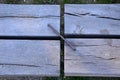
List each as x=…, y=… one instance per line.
x=72, y=59
x=94, y=56
x=89, y=14
x=108, y=43
x=72, y=14
x=27, y=65
x=83, y=45
x=77, y=45
x=49, y=16
x=111, y=58
x=51, y=64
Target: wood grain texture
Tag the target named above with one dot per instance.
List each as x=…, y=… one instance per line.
x=93, y=57
x=29, y=19
x=92, y=19
x=35, y=58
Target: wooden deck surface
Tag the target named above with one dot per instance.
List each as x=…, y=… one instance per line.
x=92, y=19
x=93, y=57
x=34, y=58
x=20, y=20
x=29, y=57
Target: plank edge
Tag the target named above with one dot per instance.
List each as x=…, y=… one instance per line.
x=90, y=75
x=41, y=75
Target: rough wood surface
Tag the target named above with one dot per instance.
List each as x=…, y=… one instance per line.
x=29, y=19
x=35, y=58
x=92, y=19
x=29, y=57
x=93, y=57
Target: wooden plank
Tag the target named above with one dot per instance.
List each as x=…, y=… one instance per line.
x=35, y=58
x=29, y=19
x=93, y=57
x=92, y=19
x=29, y=10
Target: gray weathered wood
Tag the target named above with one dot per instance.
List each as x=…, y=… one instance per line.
x=92, y=19
x=29, y=19
x=35, y=58
x=93, y=57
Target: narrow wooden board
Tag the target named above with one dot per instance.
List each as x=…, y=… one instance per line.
x=93, y=57
x=34, y=58
x=92, y=19
x=22, y=20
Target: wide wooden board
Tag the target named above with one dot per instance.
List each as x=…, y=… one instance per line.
x=92, y=19
x=34, y=58
x=20, y=20
x=93, y=57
